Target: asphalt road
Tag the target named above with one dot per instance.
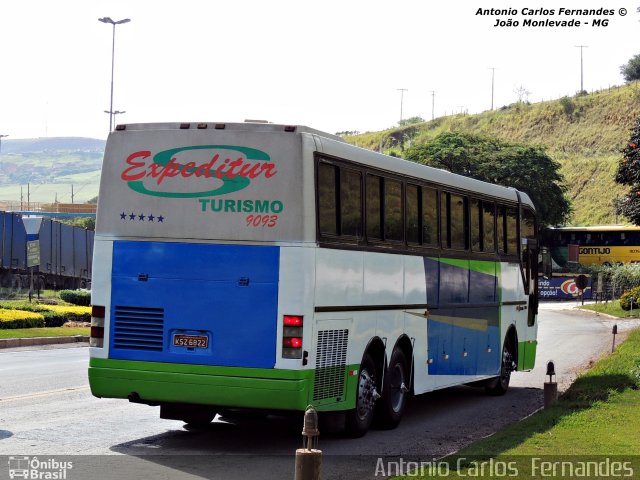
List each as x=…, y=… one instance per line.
x=46, y=409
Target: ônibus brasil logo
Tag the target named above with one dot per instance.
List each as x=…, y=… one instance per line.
x=230, y=168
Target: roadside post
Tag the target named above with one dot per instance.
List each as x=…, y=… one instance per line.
x=309, y=458
x=32, y=226
x=614, y=331
x=582, y=282
x=550, y=387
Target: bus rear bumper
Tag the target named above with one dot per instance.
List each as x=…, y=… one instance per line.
x=155, y=383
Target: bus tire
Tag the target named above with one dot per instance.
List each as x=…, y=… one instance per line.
x=499, y=385
x=395, y=392
x=358, y=421
x=199, y=419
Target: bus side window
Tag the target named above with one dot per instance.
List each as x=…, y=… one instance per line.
x=430, y=216
x=413, y=214
x=393, y=228
x=488, y=226
x=373, y=207
x=458, y=222
x=350, y=203
x=512, y=231
x=327, y=199
x=502, y=244
x=476, y=225
x=528, y=224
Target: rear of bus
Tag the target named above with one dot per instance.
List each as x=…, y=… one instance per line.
x=198, y=287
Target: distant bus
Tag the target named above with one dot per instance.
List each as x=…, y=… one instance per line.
x=272, y=267
x=597, y=245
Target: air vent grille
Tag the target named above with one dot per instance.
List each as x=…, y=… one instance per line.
x=331, y=360
x=139, y=328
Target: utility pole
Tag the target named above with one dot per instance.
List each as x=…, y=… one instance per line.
x=72, y=193
x=581, y=69
x=493, y=73
x=401, y=90
x=433, y=103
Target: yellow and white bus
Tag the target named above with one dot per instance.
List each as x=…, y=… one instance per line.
x=596, y=245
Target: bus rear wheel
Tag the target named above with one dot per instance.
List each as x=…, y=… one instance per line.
x=358, y=421
x=395, y=392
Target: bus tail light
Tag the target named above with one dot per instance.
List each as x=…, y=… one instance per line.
x=292, y=336
x=97, y=326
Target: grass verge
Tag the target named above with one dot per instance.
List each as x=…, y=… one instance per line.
x=44, y=332
x=596, y=421
x=612, y=308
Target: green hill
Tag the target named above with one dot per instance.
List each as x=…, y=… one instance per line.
x=585, y=133
x=51, y=167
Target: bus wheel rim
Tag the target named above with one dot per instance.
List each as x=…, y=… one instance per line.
x=366, y=394
x=397, y=385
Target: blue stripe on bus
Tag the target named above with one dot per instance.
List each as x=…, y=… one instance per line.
x=226, y=293
x=462, y=341
x=461, y=345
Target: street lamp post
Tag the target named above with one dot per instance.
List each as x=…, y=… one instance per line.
x=117, y=112
x=113, y=50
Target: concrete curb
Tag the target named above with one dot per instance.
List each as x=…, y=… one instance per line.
x=29, y=342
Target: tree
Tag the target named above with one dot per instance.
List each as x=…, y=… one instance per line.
x=628, y=174
x=410, y=121
x=526, y=168
x=631, y=70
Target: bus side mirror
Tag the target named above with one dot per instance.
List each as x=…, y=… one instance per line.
x=546, y=262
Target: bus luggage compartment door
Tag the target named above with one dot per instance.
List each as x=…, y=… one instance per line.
x=206, y=304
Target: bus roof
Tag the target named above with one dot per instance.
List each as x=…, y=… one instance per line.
x=597, y=228
x=249, y=125
x=430, y=174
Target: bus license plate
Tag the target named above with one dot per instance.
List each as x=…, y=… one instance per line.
x=197, y=341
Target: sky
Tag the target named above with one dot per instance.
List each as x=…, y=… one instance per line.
x=331, y=65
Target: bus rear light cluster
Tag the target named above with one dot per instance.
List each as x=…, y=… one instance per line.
x=292, y=336
x=97, y=326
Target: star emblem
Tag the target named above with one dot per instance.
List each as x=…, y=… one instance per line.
x=160, y=219
x=132, y=216
x=123, y=216
x=150, y=217
x=141, y=217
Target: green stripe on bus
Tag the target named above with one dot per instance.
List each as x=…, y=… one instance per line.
x=527, y=354
x=480, y=266
x=213, y=385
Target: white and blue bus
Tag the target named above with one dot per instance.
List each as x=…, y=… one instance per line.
x=272, y=267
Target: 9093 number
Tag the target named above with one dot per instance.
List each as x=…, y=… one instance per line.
x=268, y=221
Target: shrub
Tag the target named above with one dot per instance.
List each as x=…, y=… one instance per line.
x=20, y=319
x=54, y=319
x=77, y=297
x=23, y=305
x=625, y=277
x=625, y=299
x=74, y=313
